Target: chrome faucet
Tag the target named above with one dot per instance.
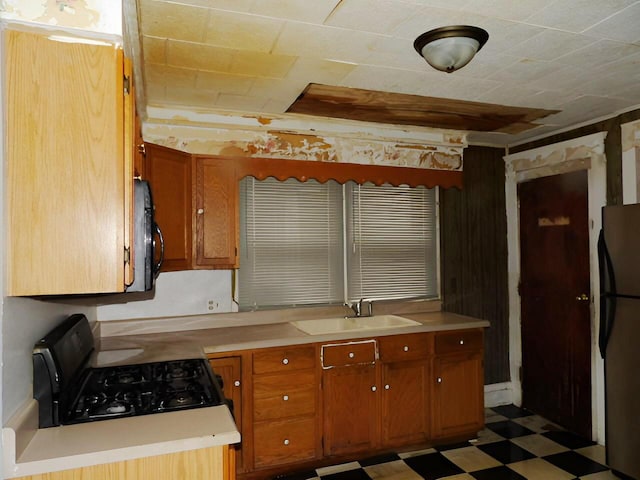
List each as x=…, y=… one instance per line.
x=357, y=307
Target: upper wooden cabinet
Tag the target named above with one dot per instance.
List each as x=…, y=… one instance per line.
x=196, y=201
x=68, y=180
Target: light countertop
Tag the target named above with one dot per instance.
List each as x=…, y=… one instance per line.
x=148, y=347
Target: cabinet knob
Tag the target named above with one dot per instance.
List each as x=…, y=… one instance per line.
x=200, y=211
x=351, y=354
x=286, y=441
x=387, y=387
x=285, y=397
x=236, y=383
x=374, y=388
x=405, y=348
x=461, y=342
x=439, y=379
x=285, y=361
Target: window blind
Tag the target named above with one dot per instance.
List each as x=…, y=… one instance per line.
x=391, y=242
x=291, y=243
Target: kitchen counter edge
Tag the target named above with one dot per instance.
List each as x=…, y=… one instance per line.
x=28, y=450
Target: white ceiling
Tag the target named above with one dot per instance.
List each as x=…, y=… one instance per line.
x=581, y=57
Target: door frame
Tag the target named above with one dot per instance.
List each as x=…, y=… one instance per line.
x=584, y=153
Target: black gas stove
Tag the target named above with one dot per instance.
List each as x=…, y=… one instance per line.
x=69, y=392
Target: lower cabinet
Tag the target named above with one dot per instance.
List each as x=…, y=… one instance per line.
x=303, y=403
x=230, y=370
x=285, y=390
x=350, y=398
x=215, y=463
x=458, y=393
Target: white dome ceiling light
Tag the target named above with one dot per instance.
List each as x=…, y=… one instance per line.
x=450, y=48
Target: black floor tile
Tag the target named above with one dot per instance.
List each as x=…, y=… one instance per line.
x=391, y=457
x=357, y=474
x=511, y=411
x=568, y=439
x=575, y=463
x=509, y=429
x=497, y=473
x=433, y=466
x=506, y=452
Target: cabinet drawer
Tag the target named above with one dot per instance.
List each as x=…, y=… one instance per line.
x=352, y=353
x=458, y=341
x=285, y=441
x=281, y=396
x=405, y=347
x=284, y=359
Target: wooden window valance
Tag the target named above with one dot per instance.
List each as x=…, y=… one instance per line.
x=303, y=170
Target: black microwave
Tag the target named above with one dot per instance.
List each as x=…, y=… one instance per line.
x=147, y=253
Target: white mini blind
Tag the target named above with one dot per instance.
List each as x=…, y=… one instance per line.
x=291, y=243
x=391, y=242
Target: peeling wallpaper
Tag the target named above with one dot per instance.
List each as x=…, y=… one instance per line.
x=306, y=146
x=92, y=15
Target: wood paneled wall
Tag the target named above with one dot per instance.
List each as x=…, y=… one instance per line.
x=612, y=148
x=473, y=235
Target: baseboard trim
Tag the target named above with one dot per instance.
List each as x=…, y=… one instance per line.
x=498, y=394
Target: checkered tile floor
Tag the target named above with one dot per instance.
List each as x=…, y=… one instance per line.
x=514, y=445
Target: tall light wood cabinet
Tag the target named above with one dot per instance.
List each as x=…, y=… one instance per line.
x=68, y=180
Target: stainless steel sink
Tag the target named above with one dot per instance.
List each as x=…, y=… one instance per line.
x=352, y=324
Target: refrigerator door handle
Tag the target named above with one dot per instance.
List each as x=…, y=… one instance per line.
x=607, y=297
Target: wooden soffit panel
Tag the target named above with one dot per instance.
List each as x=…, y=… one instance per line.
x=302, y=170
x=403, y=109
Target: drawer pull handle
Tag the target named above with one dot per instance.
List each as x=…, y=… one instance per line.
x=352, y=355
x=286, y=441
x=374, y=388
x=285, y=361
x=236, y=383
x=387, y=387
x=200, y=211
x=439, y=380
x=461, y=342
x=285, y=397
x=406, y=348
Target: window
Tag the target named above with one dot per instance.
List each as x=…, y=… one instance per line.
x=305, y=243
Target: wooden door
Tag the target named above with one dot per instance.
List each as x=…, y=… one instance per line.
x=405, y=402
x=216, y=213
x=555, y=299
x=458, y=394
x=350, y=409
x=169, y=174
x=230, y=369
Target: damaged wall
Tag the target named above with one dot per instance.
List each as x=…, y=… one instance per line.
x=89, y=15
x=298, y=140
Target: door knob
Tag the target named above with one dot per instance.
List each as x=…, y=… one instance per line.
x=583, y=297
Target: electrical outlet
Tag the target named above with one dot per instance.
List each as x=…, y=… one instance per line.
x=212, y=305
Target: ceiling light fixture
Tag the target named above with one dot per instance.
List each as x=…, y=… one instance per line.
x=450, y=48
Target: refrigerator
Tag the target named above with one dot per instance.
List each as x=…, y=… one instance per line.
x=619, y=335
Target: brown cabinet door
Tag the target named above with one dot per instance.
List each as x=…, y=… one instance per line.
x=230, y=369
x=350, y=409
x=405, y=402
x=458, y=394
x=216, y=213
x=169, y=174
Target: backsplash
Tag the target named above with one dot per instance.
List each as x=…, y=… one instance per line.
x=191, y=292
